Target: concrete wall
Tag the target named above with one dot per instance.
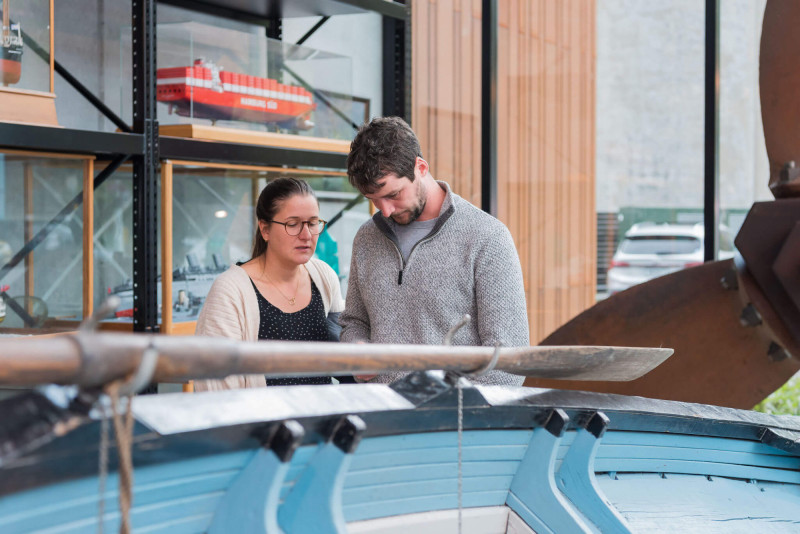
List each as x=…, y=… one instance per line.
x=650, y=83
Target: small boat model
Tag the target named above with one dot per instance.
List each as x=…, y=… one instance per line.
x=206, y=91
x=11, y=50
x=191, y=284
x=429, y=453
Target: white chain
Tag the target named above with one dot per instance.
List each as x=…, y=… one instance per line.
x=460, y=450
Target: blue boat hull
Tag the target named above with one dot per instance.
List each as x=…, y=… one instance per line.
x=544, y=455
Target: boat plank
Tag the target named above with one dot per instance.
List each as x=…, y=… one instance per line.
x=142, y=517
x=405, y=490
x=425, y=503
x=484, y=520
x=655, y=453
x=688, y=441
x=744, y=472
x=686, y=503
x=427, y=440
x=191, y=476
x=438, y=455
x=409, y=472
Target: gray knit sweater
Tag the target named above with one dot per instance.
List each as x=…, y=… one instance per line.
x=467, y=264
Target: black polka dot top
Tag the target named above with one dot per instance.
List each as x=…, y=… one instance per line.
x=308, y=324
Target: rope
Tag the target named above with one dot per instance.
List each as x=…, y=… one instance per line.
x=123, y=433
x=102, y=468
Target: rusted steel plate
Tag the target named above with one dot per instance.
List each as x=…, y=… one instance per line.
x=717, y=360
x=787, y=265
x=763, y=238
x=779, y=84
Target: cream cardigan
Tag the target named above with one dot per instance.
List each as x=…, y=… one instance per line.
x=231, y=311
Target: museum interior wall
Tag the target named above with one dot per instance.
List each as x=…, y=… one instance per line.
x=546, y=134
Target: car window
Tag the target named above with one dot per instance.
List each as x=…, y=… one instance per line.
x=660, y=244
x=725, y=242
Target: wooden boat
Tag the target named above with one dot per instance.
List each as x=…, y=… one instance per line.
x=430, y=453
x=206, y=91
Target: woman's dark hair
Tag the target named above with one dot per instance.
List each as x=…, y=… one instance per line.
x=269, y=202
x=385, y=145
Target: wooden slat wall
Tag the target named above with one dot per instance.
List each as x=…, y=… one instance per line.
x=546, y=125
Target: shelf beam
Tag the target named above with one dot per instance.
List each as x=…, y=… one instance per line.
x=271, y=9
x=395, y=10
x=51, y=139
x=212, y=151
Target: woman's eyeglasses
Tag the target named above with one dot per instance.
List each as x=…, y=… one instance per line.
x=293, y=228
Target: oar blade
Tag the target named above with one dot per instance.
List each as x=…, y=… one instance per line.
x=618, y=364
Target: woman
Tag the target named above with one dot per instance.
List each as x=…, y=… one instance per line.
x=282, y=293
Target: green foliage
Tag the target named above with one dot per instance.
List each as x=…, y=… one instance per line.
x=784, y=401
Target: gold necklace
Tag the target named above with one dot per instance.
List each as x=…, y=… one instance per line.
x=296, y=289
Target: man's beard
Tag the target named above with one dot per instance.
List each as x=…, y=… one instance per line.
x=417, y=210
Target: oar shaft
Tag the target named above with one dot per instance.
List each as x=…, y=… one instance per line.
x=96, y=359
x=93, y=359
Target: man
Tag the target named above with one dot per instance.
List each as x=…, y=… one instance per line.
x=427, y=257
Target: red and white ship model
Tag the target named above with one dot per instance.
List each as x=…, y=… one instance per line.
x=206, y=91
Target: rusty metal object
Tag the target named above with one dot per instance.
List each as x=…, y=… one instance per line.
x=788, y=184
x=787, y=265
x=769, y=242
x=717, y=360
x=779, y=81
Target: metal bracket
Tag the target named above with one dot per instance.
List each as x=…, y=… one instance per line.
x=314, y=504
x=437, y=389
x=576, y=478
x=784, y=440
x=789, y=173
x=534, y=495
x=251, y=503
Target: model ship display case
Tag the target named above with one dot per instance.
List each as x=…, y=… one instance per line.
x=45, y=200
x=208, y=214
x=119, y=173
x=213, y=82
x=27, y=91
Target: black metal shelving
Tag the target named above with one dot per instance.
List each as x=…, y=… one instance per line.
x=146, y=148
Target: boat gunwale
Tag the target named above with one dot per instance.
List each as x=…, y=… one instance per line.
x=511, y=409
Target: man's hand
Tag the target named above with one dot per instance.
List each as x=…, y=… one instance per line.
x=363, y=378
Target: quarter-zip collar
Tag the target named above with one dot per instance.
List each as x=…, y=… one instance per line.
x=446, y=211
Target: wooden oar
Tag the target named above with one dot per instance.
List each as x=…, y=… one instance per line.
x=93, y=359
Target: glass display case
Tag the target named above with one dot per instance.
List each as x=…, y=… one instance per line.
x=45, y=252
x=26, y=62
x=208, y=223
x=232, y=79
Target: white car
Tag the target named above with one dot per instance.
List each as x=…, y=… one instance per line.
x=650, y=250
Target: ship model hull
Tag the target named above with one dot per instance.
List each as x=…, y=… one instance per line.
x=199, y=92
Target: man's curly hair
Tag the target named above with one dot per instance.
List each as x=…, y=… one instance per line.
x=385, y=145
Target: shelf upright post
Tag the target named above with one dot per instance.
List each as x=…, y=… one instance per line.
x=145, y=168
x=489, y=36
x=275, y=58
x=397, y=66
x=711, y=151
